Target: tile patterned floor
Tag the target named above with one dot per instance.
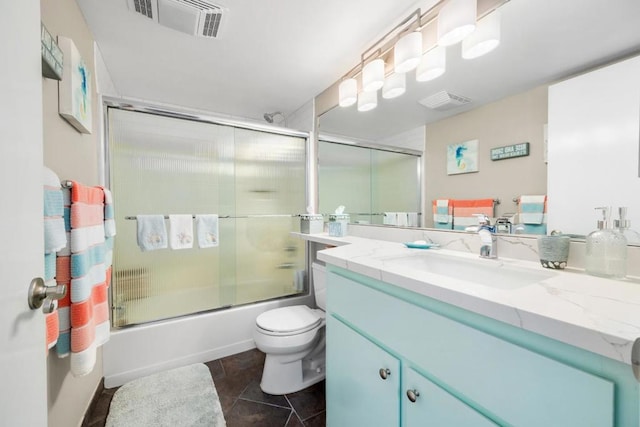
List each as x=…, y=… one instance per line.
x=237, y=380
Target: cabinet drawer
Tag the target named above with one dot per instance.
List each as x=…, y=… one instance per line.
x=518, y=386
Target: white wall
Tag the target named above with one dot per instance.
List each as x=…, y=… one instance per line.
x=594, y=138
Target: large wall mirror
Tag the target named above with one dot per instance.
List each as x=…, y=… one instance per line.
x=542, y=42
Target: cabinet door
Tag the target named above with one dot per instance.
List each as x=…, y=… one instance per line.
x=434, y=406
x=357, y=394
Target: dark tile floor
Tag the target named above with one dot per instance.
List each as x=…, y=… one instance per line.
x=237, y=380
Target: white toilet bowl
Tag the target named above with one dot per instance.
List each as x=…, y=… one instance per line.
x=293, y=340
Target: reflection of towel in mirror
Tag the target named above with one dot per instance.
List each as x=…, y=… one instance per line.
x=152, y=232
x=442, y=214
x=181, y=231
x=390, y=218
x=532, y=209
x=207, y=230
x=413, y=219
x=465, y=211
x=532, y=214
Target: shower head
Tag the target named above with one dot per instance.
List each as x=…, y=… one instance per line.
x=269, y=116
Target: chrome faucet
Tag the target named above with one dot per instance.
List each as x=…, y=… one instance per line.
x=488, y=239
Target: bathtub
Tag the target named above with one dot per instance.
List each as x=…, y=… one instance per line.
x=142, y=350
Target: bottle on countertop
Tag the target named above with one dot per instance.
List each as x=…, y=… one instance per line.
x=606, y=250
x=623, y=225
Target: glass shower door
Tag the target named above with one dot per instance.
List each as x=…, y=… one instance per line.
x=253, y=180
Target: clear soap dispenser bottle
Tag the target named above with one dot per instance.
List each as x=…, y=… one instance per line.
x=606, y=250
x=623, y=225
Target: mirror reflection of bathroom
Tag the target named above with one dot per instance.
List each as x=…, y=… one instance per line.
x=376, y=185
x=504, y=103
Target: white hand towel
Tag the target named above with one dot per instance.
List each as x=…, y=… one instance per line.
x=152, y=232
x=413, y=219
x=207, y=229
x=390, y=218
x=181, y=231
x=403, y=219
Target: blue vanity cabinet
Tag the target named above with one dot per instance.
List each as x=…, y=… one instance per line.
x=364, y=385
x=464, y=374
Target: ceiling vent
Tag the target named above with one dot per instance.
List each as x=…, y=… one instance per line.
x=195, y=17
x=443, y=101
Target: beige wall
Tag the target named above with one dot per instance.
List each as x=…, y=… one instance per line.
x=71, y=155
x=519, y=118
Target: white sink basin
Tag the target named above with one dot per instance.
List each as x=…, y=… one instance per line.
x=494, y=273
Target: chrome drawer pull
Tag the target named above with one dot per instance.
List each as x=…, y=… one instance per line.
x=384, y=373
x=413, y=395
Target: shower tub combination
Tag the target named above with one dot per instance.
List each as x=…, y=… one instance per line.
x=195, y=305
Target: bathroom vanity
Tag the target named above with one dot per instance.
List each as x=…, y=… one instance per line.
x=419, y=337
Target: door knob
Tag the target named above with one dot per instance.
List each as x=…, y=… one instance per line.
x=38, y=292
x=384, y=373
x=413, y=395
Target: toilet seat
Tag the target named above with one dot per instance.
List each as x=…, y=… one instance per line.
x=285, y=321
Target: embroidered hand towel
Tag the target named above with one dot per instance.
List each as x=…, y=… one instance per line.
x=152, y=232
x=180, y=231
x=207, y=229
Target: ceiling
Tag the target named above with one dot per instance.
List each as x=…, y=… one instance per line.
x=277, y=55
x=270, y=56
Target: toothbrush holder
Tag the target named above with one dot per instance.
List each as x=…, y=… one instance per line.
x=554, y=251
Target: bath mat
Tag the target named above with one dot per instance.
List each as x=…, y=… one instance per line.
x=179, y=397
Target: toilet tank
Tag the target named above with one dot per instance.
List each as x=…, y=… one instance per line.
x=320, y=284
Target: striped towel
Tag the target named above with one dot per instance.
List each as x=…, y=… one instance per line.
x=532, y=212
x=86, y=325
x=55, y=239
x=442, y=214
x=54, y=235
x=465, y=211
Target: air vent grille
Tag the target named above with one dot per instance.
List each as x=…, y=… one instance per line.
x=194, y=17
x=444, y=100
x=144, y=7
x=212, y=24
x=198, y=4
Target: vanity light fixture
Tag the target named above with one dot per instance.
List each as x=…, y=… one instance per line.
x=373, y=75
x=367, y=100
x=418, y=42
x=456, y=20
x=407, y=52
x=394, y=85
x=432, y=65
x=348, y=92
x=484, y=39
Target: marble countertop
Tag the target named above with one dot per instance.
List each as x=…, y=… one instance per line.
x=592, y=313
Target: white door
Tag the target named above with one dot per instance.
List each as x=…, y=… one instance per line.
x=23, y=384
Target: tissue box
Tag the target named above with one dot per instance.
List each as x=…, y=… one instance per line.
x=311, y=223
x=338, y=225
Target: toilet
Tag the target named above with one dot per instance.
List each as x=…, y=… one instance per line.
x=294, y=342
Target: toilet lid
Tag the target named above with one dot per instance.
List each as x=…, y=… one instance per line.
x=288, y=319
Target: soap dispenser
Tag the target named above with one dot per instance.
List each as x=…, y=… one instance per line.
x=623, y=225
x=606, y=250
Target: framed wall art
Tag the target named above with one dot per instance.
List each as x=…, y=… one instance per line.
x=74, y=97
x=462, y=157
